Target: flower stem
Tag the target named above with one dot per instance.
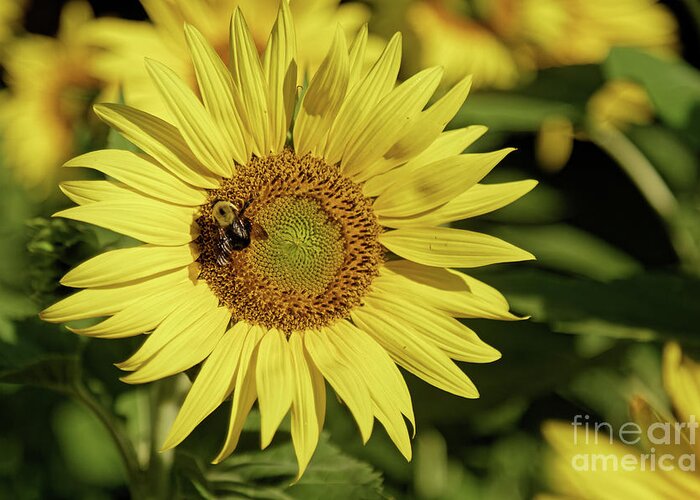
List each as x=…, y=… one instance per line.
x=164, y=396
x=135, y=475
x=652, y=186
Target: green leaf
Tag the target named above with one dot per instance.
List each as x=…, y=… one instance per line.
x=652, y=306
x=331, y=474
x=540, y=359
x=673, y=86
x=22, y=366
x=15, y=305
x=672, y=157
x=512, y=112
x=269, y=474
x=566, y=248
x=561, y=92
x=56, y=245
x=86, y=446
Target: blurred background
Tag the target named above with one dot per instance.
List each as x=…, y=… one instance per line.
x=602, y=100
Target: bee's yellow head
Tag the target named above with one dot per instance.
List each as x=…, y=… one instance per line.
x=224, y=213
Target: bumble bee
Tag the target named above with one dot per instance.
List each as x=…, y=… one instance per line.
x=234, y=229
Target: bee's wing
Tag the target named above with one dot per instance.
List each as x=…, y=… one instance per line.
x=257, y=232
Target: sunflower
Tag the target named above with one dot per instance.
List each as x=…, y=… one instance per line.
x=461, y=45
x=50, y=88
x=673, y=474
x=285, y=263
x=504, y=42
x=10, y=17
x=620, y=103
x=564, y=32
x=125, y=43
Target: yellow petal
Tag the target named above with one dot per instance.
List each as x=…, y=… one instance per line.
x=387, y=371
x=647, y=415
x=274, y=383
x=424, y=188
x=682, y=382
x=281, y=75
x=583, y=468
x=185, y=350
x=449, y=291
x=342, y=378
x=194, y=123
x=146, y=220
x=164, y=16
x=158, y=139
x=554, y=143
x=322, y=100
x=250, y=80
x=140, y=172
x=477, y=200
x=481, y=289
x=244, y=392
x=212, y=386
x=357, y=54
x=390, y=397
x=110, y=300
x=221, y=99
x=450, y=143
x=424, y=128
x=141, y=316
x=319, y=388
x=306, y=425
x=379, y=130
x=452, y=337
x=362, y=98
x=86, y=192
x=128, y=264
x=412, y=351
x=445, y=247
x=191, y=308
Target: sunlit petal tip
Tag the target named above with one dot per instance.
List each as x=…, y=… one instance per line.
x=527, y=255
x=471, y=393
x=134, y=379
x=490, y=354
x=126, y=365
x=166, y=446
x=45, y=315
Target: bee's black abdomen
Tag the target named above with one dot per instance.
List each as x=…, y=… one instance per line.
x=238, y=234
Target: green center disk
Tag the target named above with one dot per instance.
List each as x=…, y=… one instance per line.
x=303, y=249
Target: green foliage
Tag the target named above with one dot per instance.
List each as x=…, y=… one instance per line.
x=86, y=446
x=561, y=92
x=565, y=248
x=56, y=245
x=673, y=86
x=57, y=372
x=650, y=306
x=270, y=474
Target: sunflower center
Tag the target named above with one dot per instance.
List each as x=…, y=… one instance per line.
x=303, y=250
x=313, y=249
